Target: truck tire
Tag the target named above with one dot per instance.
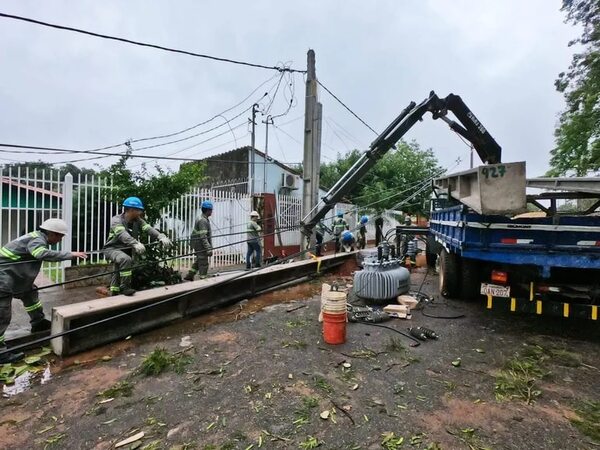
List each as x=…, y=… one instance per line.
x=431, y=251
x=449, y=274
x=470, y=279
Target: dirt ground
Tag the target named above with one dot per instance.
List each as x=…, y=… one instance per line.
x=258, y=375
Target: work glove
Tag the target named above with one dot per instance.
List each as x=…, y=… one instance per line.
x=164, y=240
x=209, y=252
x=139, y=248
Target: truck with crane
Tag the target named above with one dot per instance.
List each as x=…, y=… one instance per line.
x=479, y=238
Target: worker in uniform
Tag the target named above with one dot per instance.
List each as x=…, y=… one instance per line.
x=348, y=241
x=201, y=242
x=378, y=230
x=253, y=239
x=125, y=230
x=362, y=232
x=339, y=225
x=20, y=263
x=320, y=229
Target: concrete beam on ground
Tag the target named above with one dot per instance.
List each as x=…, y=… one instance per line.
x=193, y=298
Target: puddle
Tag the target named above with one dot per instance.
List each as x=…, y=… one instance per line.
x=25, y=381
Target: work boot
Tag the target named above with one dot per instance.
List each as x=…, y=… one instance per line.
x=190, y=276
x=41, y=325
x=128, y=292
x=11, y=357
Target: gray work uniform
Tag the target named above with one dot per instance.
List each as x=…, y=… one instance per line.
x=202, y=245
x=253, y=240
x=339, y=225
x=20, y=263
x=121, y=238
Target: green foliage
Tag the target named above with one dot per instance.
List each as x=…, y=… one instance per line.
x=588, y=419
x=155, y=270
x=577, y=150
x=121, y=389
x=519, y=379
x=398, y=175
x=160, y=360
x=156, y=190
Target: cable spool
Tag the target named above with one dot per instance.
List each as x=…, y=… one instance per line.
x=381, y=281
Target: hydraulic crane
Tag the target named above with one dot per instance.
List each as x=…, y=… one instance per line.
x=469, y=127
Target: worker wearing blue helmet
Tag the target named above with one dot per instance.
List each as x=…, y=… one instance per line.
x=348, y=241
x=339, y=225
x=201, y=242
x=124, y=236
x=362, y=232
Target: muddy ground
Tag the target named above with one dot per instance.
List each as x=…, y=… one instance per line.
x=258, y=375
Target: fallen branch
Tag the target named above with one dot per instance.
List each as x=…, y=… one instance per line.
x=346, y=413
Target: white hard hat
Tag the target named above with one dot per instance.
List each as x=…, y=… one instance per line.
x=254, y=214
x=56, y=225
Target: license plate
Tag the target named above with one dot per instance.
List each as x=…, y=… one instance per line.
x=495, y=290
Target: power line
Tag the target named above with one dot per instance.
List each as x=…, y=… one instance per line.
x=145, y=44
x=347, y=108
x=35, y=150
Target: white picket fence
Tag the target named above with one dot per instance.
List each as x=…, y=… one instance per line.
x=31, y=196
x=230, y=216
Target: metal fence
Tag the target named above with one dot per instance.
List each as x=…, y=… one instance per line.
x=30, y=196
x=228, y=223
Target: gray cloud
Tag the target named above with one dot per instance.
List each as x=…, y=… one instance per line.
x=62, y=89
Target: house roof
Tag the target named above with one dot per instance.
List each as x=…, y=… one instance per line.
x=27, y=187
x=258, y=152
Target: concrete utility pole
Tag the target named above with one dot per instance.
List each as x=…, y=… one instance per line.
x=312, y=144
x=252, y=153
x=268, y=121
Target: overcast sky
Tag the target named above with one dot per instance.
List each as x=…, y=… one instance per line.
x=67, y=90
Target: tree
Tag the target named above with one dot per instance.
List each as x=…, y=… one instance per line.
x=398, y=180
x=577, y=150
x=156, y=190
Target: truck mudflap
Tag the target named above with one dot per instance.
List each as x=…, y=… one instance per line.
x=543, y=307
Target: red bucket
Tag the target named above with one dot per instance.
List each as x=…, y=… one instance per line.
x=334, y=328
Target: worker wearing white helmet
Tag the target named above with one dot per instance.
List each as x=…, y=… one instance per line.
x=253, y=239
x=20, y=263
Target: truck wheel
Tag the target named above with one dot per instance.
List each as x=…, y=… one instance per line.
x=430, y=252
x=449, y=274
x=470, y=279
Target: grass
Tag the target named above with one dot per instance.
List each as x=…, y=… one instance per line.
x=588, y=420
x=121, y=389
x=303, y=413
x=323, y=384
x=519, y=379
x=161, y=360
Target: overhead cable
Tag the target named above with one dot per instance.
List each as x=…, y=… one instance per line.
x=145, y=44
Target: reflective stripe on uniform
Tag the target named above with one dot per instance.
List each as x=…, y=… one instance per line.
x=36, y=251
x=125, y=273
x=145, y=227
x=2, y=339
x=118, y=229
x=10, y=255
x=34, y=234
x=33, y=307
x=115, y=289
x=201, y=232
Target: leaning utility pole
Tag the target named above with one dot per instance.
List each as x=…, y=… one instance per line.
x=252, y=152
x=268, y=121
x=312, y=145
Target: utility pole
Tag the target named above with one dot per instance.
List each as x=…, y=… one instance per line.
x=268, y=121
x=252, y=153
x=312, y=145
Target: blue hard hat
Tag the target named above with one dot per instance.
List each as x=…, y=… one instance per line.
x=133, y=202
x=364, y=219
x=340, y=214
x=347, y=236
x=206, y=204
